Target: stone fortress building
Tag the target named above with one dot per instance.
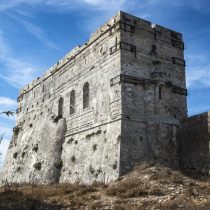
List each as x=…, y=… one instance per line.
x=107, y=105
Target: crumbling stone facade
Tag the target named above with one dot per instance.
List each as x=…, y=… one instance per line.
x=105, y=106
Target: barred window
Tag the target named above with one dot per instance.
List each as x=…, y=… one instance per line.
x=72, y=102
x=86, y=96
x=60, y=107
x=160, y=92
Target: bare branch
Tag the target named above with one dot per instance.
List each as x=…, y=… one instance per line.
x=8, y=113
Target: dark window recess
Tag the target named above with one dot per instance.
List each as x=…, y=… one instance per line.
x=127, y=27
x=178, y=44
x=156, y=33
x=114, y=48
x=72, y=102
x=156, y=62
x=178, y=61
x=60, y=107
x=86, y=96
x=180, y=90
x=131, y=79
x=43, y=88
x=123, y=46
x=169, y=84
x=160, y=92
x=153, y=50
x=115, y=80
x=128, y=47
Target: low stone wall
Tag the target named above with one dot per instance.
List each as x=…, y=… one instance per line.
x=194, y=143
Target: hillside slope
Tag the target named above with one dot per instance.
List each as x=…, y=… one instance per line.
x=147, y=187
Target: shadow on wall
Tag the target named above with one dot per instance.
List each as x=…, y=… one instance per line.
x=193, y=140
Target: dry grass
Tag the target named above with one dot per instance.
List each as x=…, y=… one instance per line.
x=147, y=187
x=180, y=203
x=69, y=195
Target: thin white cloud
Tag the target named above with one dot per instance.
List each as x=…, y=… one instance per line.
x=64, y=4
x=198, y=77
x=3, y=150
x=39, y=33
x=7, y=104
x=5, y=101
x=6, y=129
x=198, y=71
x=107, y=5
x=93, y=2
x=15, y=71
x=34, y=30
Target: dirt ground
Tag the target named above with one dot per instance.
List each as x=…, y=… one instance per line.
x=148, y=187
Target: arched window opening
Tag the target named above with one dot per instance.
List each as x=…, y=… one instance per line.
x=43, y=88
x=72, y=102
x=86, y=97
x=160, y=92
x=60, y=107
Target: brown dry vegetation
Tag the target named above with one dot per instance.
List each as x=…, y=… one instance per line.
x=147, y=187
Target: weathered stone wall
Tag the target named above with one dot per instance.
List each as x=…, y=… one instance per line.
x=194, y=138
x=92, y=155
x=153, y=92
x=137, y=97
x=34, y=154
x=83, y=146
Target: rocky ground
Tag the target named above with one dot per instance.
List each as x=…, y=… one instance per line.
x=148, y=187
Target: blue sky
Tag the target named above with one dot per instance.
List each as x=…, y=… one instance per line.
x=34, y=34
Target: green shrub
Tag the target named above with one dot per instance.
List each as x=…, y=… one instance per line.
x=37, y=166
x=73, y=158
x=15, y=155
x=94, y=147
